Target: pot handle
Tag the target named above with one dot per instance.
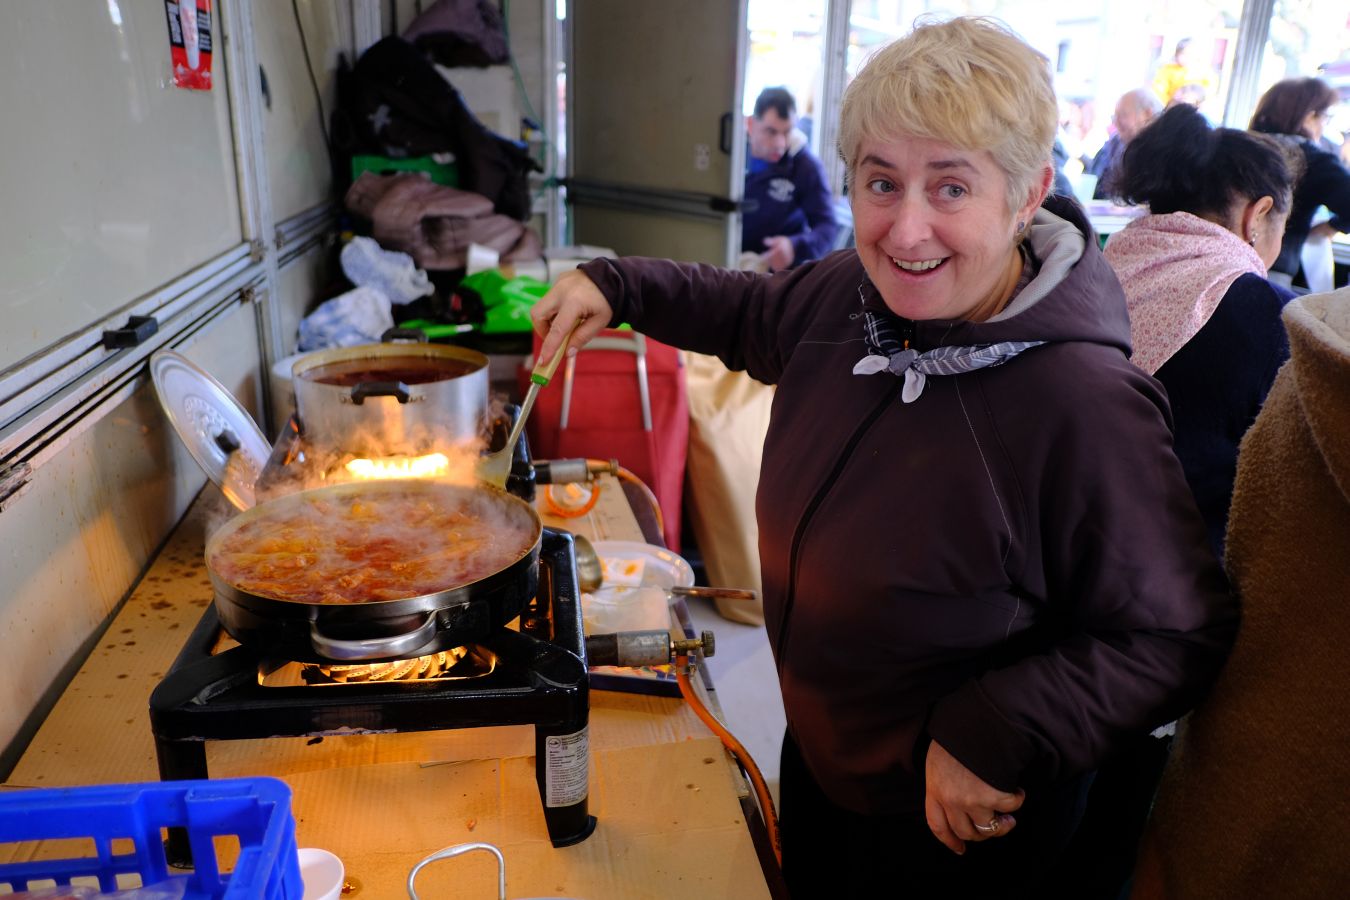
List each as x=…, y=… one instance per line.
x=373, y=648
x=395, y=389
x=403, y=334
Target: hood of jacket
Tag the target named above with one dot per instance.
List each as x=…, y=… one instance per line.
x=1074, y=295
x=1319, y=344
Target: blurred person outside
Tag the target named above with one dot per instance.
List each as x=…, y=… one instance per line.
x=1190, y=94
x=788, y=212
x=1297, y=110
x=1079, y=133
x=1184, y=68
x=1134, y=110
x=982, y=565
x=1193, y=95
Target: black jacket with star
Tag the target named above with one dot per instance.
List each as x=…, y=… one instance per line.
x=790, y=198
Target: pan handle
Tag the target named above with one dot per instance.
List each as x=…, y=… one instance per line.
x=373, y=648
x=715, y=593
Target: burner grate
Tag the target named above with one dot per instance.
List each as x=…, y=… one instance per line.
x=455, y=664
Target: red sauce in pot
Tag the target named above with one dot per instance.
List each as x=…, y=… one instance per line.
x=407, y=369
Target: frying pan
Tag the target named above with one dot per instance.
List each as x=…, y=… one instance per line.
x=454, y=615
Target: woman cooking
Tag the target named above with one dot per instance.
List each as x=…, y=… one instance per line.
x=982, y=565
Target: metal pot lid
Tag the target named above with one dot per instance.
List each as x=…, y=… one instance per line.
x=219, y=433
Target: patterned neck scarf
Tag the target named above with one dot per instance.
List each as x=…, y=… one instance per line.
x=1175, y=269
x=888, y=352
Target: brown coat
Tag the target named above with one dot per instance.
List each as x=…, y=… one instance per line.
x=1256, y=799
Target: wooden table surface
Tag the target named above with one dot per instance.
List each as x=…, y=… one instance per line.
x=671, y=822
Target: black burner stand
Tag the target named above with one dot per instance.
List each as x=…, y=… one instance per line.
x=540, y=679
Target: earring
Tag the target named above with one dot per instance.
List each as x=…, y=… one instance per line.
x=1021, y=227
x=1253, y=239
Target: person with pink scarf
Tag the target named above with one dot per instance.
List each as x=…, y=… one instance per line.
x=1206, y=323
x=1203, y=318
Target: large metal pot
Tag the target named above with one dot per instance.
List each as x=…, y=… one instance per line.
x=392, y=398
x=451, y=616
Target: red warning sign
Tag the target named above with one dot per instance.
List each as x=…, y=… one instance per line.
x=190, y=42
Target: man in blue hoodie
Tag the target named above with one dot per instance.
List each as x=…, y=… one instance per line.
x=788, y=214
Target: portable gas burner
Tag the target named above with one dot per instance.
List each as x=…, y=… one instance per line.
x=525, y=662
x=534, y=676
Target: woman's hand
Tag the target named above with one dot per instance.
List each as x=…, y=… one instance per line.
x=960, y=807
x=575, y=298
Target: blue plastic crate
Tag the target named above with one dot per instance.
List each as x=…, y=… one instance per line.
x=255, y=810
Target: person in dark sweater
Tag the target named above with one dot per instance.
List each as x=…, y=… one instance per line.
x=788, y=211
x=1203, y=318
x=981, y=564
x=1296, y=110
x=1206, y=323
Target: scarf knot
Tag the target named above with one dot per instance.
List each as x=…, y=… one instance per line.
x=887, y=353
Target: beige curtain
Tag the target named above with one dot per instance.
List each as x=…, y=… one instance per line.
x=728, y=418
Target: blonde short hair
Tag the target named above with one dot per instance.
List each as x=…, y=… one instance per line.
x=968, y=82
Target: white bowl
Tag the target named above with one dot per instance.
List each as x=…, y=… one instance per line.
x=322, y=873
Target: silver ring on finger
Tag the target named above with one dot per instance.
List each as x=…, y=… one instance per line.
x=991, y=828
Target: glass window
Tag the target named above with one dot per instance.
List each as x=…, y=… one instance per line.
x=1311, y=40
x=786, y=48
x=1099, y=50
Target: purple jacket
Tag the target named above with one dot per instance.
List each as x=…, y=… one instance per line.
x=1011, y=565
x=789, y=198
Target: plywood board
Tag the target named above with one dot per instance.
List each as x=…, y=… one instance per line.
x=670, y=818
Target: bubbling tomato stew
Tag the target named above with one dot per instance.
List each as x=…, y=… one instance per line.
x=407, y=369
x=388, y=544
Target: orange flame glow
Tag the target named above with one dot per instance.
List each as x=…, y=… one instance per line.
x=429, y=466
